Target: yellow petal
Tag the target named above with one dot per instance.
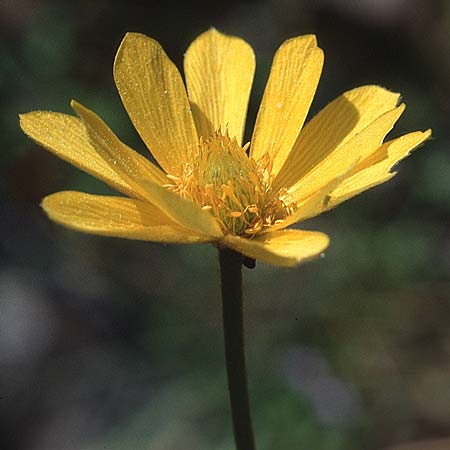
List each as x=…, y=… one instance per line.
x=293, y=80
x=67, y=137
x=115, y=216
x=128, y=164
x=219, y=74
x=332, y=127
x=388, y=155
x=316, y=204
x=184, y=212
x=281, y=248
x=360, y=146
x=155, y=98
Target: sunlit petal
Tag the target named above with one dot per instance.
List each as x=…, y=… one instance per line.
x=315, y=204
x=219, y=74
x=115, y=216
x=214, y=187
x=182, y=211
x=332, y=127
x=371, y=173
x=360, y=146
x=127, y=164
x=281, y=248
x=155, y=98
x=67, y=137
x=292, y=83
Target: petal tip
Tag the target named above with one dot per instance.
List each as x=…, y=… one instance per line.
x=43, y=203
x=130, y=40
x=81, y=111
x=312, y=38
x=373, y=90
x=214, y=34
x=308, y=41
x=22, y=120
x=74, y=104
x=133, y=35
x=25, y=116
x=213, y=30
x=26, y=121
x=46, y=203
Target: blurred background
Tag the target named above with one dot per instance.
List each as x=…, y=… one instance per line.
x=114, y=344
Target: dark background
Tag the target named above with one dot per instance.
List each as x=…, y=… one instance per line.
x=114, y=344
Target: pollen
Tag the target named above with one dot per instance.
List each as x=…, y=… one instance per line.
x=235, y=188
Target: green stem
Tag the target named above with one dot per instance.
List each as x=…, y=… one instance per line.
x=231, y=275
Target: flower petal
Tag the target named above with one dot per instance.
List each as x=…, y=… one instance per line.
x=67, y=137
x=183, y=211
x=315, y=204
x=385, y=158
x=332, y=127
x=280, y=248
x=115, y=216
x=292, y=83
x=360, y=146
x=154, y=96
x=127, y=164
x=219, y=74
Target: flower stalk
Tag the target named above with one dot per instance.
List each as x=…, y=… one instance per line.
x=232, y=310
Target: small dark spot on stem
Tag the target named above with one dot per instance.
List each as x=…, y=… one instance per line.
x=250, y=263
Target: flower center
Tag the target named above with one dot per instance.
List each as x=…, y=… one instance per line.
x=234, y=187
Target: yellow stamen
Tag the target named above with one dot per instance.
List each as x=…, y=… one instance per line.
x=235, y=188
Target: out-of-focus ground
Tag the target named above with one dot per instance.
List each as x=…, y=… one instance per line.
x=114, y=344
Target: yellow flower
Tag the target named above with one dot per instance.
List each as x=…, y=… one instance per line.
x=209, y=186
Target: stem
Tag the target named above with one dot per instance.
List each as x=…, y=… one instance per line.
x=231, y=275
